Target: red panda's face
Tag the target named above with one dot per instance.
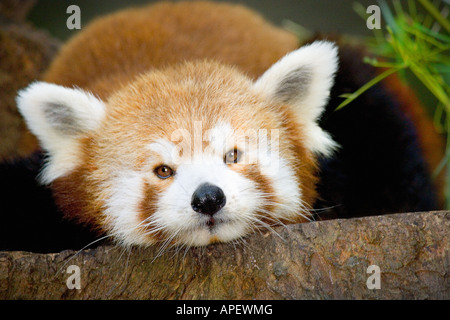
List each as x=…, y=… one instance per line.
x=196, y=161
x=190, y=155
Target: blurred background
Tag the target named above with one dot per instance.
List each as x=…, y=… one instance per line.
x=315, y=15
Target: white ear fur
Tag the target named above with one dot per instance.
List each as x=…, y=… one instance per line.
x=303, y=79
x=59, y=116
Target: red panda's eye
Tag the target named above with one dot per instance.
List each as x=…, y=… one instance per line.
x=232, y=156
x=163, y=172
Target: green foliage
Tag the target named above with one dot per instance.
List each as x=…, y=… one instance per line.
x=415, y=41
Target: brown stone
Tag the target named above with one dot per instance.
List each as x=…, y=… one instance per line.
x=319, y=260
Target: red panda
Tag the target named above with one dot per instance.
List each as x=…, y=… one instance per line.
x=192, y=123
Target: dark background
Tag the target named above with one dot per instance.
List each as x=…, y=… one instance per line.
x=315, y=15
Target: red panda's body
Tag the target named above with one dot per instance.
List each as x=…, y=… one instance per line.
x=114, y=49
x=125, y=157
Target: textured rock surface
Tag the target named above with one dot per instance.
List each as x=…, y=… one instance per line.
x=320, y=260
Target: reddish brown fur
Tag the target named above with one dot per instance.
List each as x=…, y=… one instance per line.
x=431, y=142
x=75, y=196
x=114, y=48
x=252, y=172
x=131, y=124
x=148, y=207
x=252, y=114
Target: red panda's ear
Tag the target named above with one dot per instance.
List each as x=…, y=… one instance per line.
x=303, y=79
x=59, y=116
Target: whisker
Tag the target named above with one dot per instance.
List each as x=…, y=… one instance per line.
x=86, y=246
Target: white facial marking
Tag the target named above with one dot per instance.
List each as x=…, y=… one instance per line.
x=245, y=202
x=221, y=138
x=122, y=207
x=166, y=149
x=189, y=226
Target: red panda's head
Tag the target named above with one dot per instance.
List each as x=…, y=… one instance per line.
x=191, y=154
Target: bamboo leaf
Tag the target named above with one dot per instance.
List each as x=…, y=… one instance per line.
x=366, y=87
x=431, y=33
x=435, y=14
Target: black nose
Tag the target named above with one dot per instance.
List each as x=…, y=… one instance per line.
x=208, y=199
